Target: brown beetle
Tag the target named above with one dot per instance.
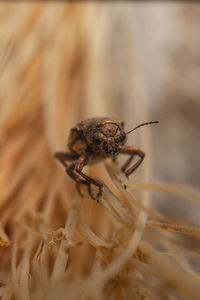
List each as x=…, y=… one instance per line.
x=95, y=139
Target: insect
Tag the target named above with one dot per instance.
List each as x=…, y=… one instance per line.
x=93, y=140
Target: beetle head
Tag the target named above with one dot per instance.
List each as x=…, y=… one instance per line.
x=106, y=137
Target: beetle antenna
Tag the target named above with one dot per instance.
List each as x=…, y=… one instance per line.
x=143, y=124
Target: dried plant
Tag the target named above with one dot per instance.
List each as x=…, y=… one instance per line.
x=55, y=244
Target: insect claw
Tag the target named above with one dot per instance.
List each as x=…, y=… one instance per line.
x=123, y=185
x=99, y=194
x=127, y=176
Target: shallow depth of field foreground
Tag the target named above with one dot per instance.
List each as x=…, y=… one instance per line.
x=60, y=64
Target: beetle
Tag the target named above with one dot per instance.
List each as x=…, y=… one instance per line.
x=93, y=140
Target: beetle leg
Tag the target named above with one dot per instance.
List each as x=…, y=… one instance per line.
x=132, y=151
x=127, y=163
x=63, y=156
x=79, y=167
x=70, y=171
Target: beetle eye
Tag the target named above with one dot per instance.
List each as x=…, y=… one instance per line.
x=96, y=138
x=122, y=136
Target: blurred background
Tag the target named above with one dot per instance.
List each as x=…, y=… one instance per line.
x=63, y=61
x=168, y=35
x=169, y=45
